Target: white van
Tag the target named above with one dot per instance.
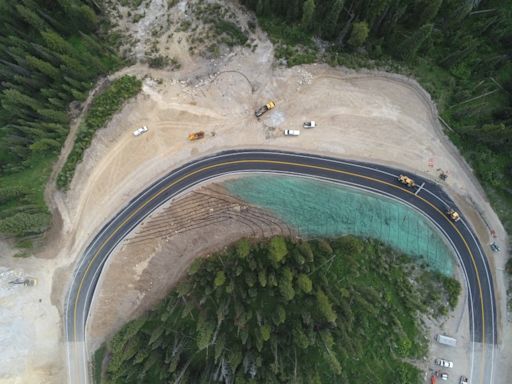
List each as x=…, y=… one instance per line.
x=291, y=132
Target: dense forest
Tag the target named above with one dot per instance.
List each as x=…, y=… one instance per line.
x=344, y=310
x=460, y=50
x=50, y=55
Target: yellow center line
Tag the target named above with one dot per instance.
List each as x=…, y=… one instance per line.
x=190, y=174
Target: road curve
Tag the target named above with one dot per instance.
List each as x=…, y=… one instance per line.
x=431, y=201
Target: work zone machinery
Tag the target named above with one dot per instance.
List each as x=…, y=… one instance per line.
x=453, y=215
x=407, y=181
x=196, y=135
x=267, y=107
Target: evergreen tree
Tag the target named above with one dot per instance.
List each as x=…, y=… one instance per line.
x=307, y=13
x=426, y=11
x=410, y=47
x=359, y=34
x=330, y=25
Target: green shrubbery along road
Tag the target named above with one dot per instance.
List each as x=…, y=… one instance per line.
x=101, y=111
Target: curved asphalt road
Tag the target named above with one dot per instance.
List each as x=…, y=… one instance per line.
x=431, y=201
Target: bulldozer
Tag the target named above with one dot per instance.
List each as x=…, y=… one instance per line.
x=407, y=181
x=453, y=215
x=196, y=135
x=267, y=107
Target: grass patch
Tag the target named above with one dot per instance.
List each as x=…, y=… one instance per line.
x=97, y=364
x=231, y=30
x=101, y=111
x=284, y=33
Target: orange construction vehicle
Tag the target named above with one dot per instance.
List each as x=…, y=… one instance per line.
x=452, y=214
x=267, y=107
x=407, y=181
x=196, y=135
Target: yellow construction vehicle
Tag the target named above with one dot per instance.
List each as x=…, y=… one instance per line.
x=265, y=108
x=196, y=135
x=406, y=180
x=453, y=215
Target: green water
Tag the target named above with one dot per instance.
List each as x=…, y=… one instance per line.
x=316, y=208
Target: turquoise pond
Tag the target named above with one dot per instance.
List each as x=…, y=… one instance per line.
x=315, y=208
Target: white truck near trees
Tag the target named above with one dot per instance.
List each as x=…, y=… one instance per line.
x=446, y=340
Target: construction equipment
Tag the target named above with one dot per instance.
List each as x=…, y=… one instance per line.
x=265, y=108
x=407, y=181
x=26, y=281
x=196, y=135
x=453, y=215
x=436, y=374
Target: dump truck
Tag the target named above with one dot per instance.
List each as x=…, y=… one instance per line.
x=267, y=107
x=406, y=180
x=446, y=340
x=452, y=214
x=196, y=135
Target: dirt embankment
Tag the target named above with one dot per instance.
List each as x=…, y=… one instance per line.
x=155, y=256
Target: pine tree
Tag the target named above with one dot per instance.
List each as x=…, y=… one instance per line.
x=359, y=34
x=427, y=11
x=43, y=66
x=31, y=18
x=308, y=11
x=410, y=47
x=329, y=27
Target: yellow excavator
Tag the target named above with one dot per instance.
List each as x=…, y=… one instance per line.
x=453, y=215
x=407, y=181
x=196, y=135
x=267, y=107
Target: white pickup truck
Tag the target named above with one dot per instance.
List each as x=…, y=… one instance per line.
x=309, y=124
x=291, y=132
x=140, y=131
